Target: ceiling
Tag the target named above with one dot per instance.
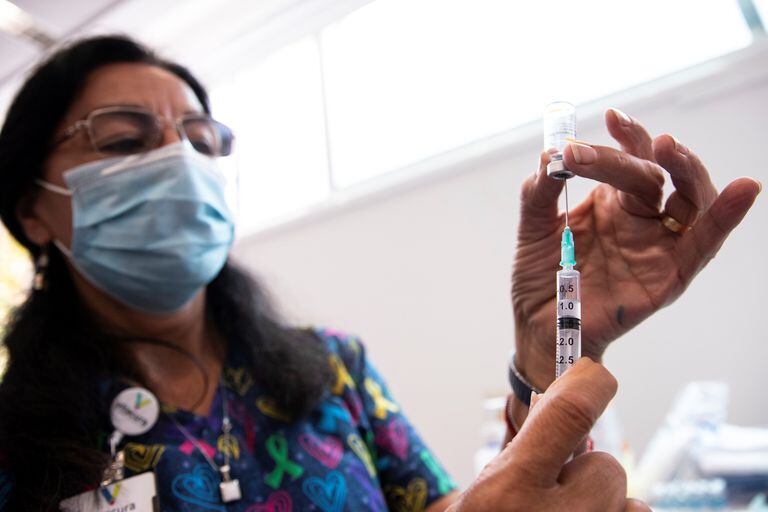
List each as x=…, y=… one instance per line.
x=58, y=19
x=62, y=18
x=204, y=34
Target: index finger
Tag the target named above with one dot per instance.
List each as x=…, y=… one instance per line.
x=640, y=180
x=564, y=415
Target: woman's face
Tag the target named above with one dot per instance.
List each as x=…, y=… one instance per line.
x=124, y=84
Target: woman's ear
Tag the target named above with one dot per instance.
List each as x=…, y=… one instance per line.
x=34, y=229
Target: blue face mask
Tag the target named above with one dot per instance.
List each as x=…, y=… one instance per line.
x=151, y=229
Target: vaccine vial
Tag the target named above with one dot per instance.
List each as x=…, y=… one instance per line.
x=559, y=129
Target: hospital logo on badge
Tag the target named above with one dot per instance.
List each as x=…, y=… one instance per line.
x=141, y=401
x=134, y=411
x=110, y=496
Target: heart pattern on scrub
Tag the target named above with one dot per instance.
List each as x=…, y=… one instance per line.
x=279, y=501
x=328, y=451
x=407, y=500
x=393, y=437
x=200, y=487
x=329, y=493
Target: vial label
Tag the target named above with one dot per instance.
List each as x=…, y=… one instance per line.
x=560, y=135
x=559, y=125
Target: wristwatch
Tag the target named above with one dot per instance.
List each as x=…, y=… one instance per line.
x=520, y=386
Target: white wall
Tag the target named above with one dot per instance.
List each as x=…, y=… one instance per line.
x=422, y=271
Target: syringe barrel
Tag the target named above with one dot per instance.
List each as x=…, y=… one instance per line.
x=568, y=332
x=559, y=128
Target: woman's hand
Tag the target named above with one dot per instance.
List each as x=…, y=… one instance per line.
x=533, y=472
x=631, y=264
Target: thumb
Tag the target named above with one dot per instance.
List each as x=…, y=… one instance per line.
x=564, y=415
x=538, y=201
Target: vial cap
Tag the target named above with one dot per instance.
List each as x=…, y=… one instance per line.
x=556, y=169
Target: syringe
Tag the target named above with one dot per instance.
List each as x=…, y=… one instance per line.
x=559, y=130
x=568, y=337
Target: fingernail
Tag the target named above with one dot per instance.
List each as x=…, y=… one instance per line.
x=623, y=118
x=759, y=186
x=679, y=147
x=534, y=399
x=583, y=154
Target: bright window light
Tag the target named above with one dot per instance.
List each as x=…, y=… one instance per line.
x=13, y=20
x=762, y=10
x=276, y=111
x=407, y=79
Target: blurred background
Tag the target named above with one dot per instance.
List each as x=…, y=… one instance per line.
x=381, y=148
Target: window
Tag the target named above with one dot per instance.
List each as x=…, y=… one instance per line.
x=761, y=6
x=408, y=79
x=398, y=81
x=276, y=111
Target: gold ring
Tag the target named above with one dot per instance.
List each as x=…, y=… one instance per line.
x=673, y=224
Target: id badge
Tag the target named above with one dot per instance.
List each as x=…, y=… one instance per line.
x=135, y=494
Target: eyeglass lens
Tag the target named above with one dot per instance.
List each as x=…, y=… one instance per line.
x=128, y=132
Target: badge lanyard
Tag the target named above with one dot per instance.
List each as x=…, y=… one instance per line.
x=229, y=488
x=133, y=412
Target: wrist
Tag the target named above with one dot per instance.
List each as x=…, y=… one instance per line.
x=516, y=414
x=535, y=360
x=519, y=401
x=595, y=355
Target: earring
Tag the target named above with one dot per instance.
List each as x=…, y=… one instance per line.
x=41, y=265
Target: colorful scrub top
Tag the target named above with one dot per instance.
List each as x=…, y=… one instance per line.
x=355, y=451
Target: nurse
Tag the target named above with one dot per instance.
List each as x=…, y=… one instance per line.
x=145, y=363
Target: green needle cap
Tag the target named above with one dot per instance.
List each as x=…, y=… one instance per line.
x=567, y=251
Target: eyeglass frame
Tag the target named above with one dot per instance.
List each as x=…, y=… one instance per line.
x=160, y=121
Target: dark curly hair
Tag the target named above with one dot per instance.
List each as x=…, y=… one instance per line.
x=51, y=410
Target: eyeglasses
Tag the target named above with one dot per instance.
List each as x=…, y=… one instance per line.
x=128, y=130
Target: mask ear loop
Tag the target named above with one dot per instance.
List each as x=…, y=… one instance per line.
x=54, y=188
x=42, y=261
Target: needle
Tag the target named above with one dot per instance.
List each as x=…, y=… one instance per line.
x=566, y=203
